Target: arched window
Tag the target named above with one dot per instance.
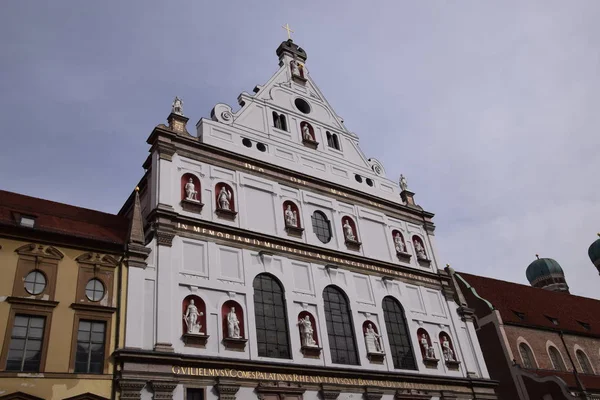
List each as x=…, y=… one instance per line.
x=340, y=331
x=526, y=355
x=332, y=140
x=279, y=121
x=336, y=143
x=272, y=333
x=321, y=226
x=556, y=358
x=586, y=367
x=397, y=330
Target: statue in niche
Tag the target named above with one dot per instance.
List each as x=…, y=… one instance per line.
x=295, y=68
x=291, y=216
x=190, y=191
x=224, y=198
x=177, y=106
x=306, y=331
x=348, y=232
x=233, y=325
x=372, y=340
x=427, y=349
x=191, y=319
x=420, y=250
x=306, y=133
x=403, y=183
x=448, y=352
x=399, y=243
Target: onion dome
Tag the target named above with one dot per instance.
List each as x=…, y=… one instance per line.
x=594, y=252
x=547, y=274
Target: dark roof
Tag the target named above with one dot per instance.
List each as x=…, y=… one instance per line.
x=64, y=219
x=538, y=305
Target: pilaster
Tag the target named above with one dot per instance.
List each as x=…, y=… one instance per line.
x=130, y=389
x=163, y=390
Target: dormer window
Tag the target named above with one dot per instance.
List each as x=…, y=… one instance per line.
x=27, y=221
x=552, y=319
x=519, y=315
x=585, y=325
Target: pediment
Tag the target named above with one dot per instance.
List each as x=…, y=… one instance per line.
x=19, y=396
x=86, y=396
x=40, y=250
x=98, y=259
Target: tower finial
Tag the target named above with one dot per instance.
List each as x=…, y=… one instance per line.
x=538, y=256
x=177, y=106
x=598, y=234
x=289, y=31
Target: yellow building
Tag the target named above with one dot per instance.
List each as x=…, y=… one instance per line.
x=62, y=271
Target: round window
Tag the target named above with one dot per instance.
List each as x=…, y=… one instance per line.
x=94, y=290
x=302, y=105
x=261, y=147
x=358, y=178
x=247, y=142
x=35, y=282
x=369, y=181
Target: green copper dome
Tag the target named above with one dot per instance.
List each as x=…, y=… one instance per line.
x=594, y=252
x=543, y=267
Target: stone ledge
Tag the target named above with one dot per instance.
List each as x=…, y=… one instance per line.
x=226, y=214
x=192, y=206
x=235, y=344
x=193, y=340
x=313, y=144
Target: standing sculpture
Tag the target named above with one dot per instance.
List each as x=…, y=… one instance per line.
x=427, y=349
x=399, y=243
x=177, y=106
x=348, y=232
x=224, y=199
x=233, y=325
x=291, y=216
x=191, y=319
x=306, y=133
x=403, y=183
x=190, y=191
x=420, y=250
x=372, y=340
x=295, y=68
x=448, y=352
x=306, y=332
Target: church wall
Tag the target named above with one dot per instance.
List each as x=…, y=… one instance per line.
x=258, y=202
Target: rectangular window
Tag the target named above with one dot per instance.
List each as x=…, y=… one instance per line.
x=25, y=350
x=89, y=356
x=194, y=394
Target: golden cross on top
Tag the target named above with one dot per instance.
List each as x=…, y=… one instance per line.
x=287, y=28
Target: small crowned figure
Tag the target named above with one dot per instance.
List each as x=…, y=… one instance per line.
x=448, y=352
x=295, y=68
x=190, y=191
x=191, y=319
x=348, y=232
x=420, y=250
x=403, y=183
x=399, y=243
x=372, y=340
x=224, y=199
x=177, y=106
x=233, y=325
x=427, y=349
x=306, y=132
x=306, y=331
x=291, y=216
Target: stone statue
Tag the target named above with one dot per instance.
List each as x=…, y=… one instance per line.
x=399, y=243
x=306, y=332
x=291, y=216
x=420, y=250
x=348, y=233
x=177, y=107
x=427, y=349
x=448, y=352
x=306, y=132
x=224, y=198
x=233, y=325
x=403, y=183
x=295, y=68
x=191, y=319
x=190, y=191
x=372, y=340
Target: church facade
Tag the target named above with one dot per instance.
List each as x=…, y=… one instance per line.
x=285, y=264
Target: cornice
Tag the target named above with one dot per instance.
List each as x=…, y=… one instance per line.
x=31, y=302
x=192, y=148
x=93, y=308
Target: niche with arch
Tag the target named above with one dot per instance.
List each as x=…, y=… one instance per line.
x=308, y=135
x=225, y=201
x=193, y=322
x=234, y=332
x=309, y=339
x=297, y=70
x=448, y=351
x=350, y=233
x=291, y=217
x=373, y=342
x=427, y=349
x=191, y=199
x=400, y=246
x=419, y=247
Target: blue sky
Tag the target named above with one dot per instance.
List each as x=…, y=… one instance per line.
x=489, y=108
